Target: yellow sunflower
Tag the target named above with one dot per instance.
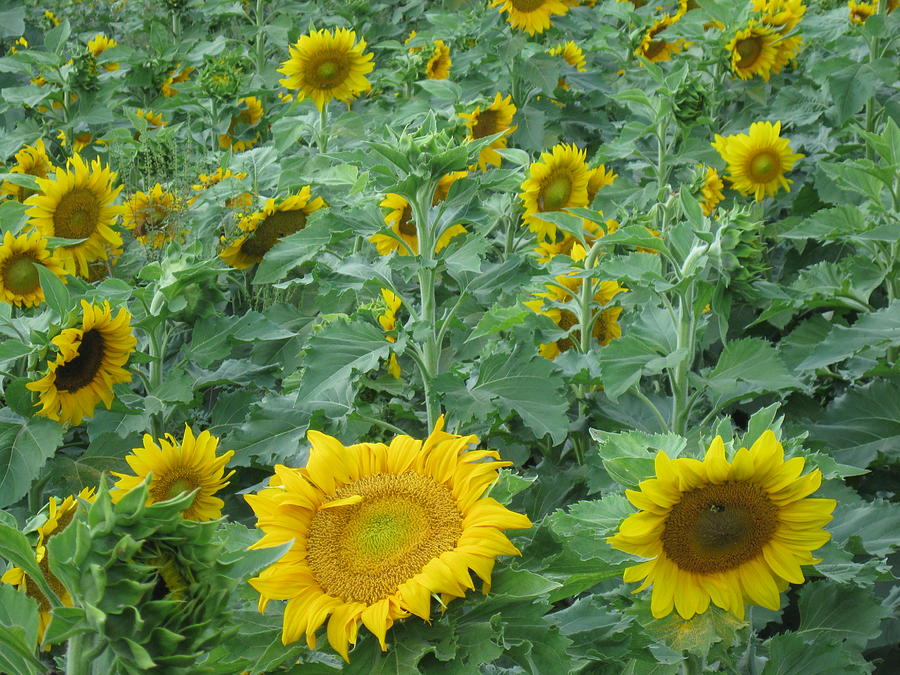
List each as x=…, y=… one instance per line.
x=599, y=178
x=241, y=203
x=377, y=530
x=860, y=11
x=727, y=532
x=175, y=77
x=89, y=362
x=33, y=160
x=531, y=16
x=177, y=468
x=99, y=44
x=655, y=49
x=711, y=191
x=19, y=257
x=753, y=51
x=250, y=115
x=781, y=14
x=558, y=181
x=154, y=119
x=757, y=163
x=549, y=249
x=326, y=65
x=438, y=66
x=388, y=322
x=571, y=53
x=77, y=203
x=494, y=119
x=147, y=214
x=265, y=228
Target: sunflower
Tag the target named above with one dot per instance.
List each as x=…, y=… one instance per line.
x=557, y=181
x=33, y=160
x=19, y=257
x=531, y=16
x=377, y=530
x=265, y=228
x=753, y=51
x=154, y=119
x=655, y=49
x=20, y=42
x=598, y=178
x=99, y=44
x=89, y=362
x=571, y=53
x=730, y=533
x=76, y=203
x=250, y=115
x=176, y=77
x=326, y=65
x=860, y=11
x=547, y=249
x=242, y=202
x=494, y=119
x=388, y=322
x=146, y=214
x=176, y=468
x=781, y=14
x=711, y=191
x=757, y=163
x=438, y=66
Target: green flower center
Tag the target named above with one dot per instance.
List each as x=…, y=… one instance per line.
x=20, y=275
x=764, y=166
x=327, y=70
x=556, y=194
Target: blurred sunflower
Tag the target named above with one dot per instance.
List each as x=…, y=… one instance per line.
x=494, y=119
x=860, y=11
x=174, y=77
x=19, y=257
x=241, y=202
x=438, y=66
x=724, y=532
x=753, y=51
x=711, y=191
x=571, y=53
x=388, y=322
x=757, y=163
x=99, y=44
x=556, y=182
x=154, y=119
x=33, y=160
x=265, y=228
x=88, y=363
x=146, y=214
x=77, y=203
x=531, y=16
x=378, y=530
x=325, y=65
x=250, y=115
x=781, y=14
x=20, y=42
x=598, y=178
x=177, y=467
x=655, y=49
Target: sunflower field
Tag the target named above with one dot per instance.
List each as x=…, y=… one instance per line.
x=450, y=336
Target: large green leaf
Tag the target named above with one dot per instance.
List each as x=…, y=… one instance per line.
x=24, y=448
x=294, y=250
x=746, y=369
x=271, y=434
x=839, y=611
x=877, y=331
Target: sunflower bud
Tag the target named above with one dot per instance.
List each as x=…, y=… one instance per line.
x=86, y=73
x=222, y=75
x=739, y=247
x=690, y=103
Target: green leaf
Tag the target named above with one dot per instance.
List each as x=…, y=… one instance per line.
x=294, y=250
x=18, y=610
x=789, y=654
x=498, y=319
x=23, y=450
x=748, y=368
x=55, y=291
x=624, y=360
x=508, y=485
x=12, y=21
x=850, y=87
x=842, y=612
x=15, y=654
x=66, y=622
x=272, y=434
x=15, y=548
x=878, y=330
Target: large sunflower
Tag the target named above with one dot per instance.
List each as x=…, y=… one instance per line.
x=438, y=66
x=249, y=116
x=263, y=229
x=860, y=11
x=326, y=65
x=77, y=203
x=494, y=119
x=33, y=160
x=176, y=468
x=377, y=530
x=559, y=180
x=147, y=214
x=19, y=257
x=531, y=16
x=757, y=163
x=88, y=364
x=753, y=51
x=726, y=532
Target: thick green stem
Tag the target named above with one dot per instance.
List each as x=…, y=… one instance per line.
x=874, y=52
x=679, y=377
x=159, y=338
x=323, y=129
x=260, y=39
x=76, y=664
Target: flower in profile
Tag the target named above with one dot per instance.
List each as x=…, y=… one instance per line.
x=77, y=203
x=388, y=322
x=148, y=215
x=571, y=53
x=598, y=178
x=783, y=17
x=265, y=228
x=531, y=16
x=438, y=66
x=177, y=467
x=31, y=160
x=176, y=76
x=20, y=255
x=249, y=117
x=860, y=11
x=753, y=51
x=565, y=244
x=99, y=44
x=494, y=119
x=377, y=530
x=325, y=66
x=88, y=363
x=654, y=48
x=241, y=202
x=557, y=181
x=154, y=119
x=711, y=191
x=757, y=163
x=729, y=533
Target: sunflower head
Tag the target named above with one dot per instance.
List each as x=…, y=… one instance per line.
x=753, y=51
x=711, y=191
x=860, y=11
x=655, y=48
x=149, y=216
x=729, y=533
x=31, y=160
x=494, y=119
x=757, y=162
x=531, y=16
x=20, y=255
x=559, y=180
x=243, y=125
x=438, y=66
x=222, y=75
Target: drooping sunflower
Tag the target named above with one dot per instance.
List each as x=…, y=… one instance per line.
x=326, y=65
x=265, y=228
x=99, y=44
x=655, y=49
x=711, y=191
x=438, y=66
x=177, y=467
x=729, y=533
x=377, y=530
x=494, y=119
x=566, y=244
x=77, y=203
x=571, y=53
x=860, y=11
x=753, y=51
x=557, y=181
x=89, y=362
x=148, y=215
x=250, y=115
x=388, y=322
x=531, y=16
x=19, y=257
x=33, y=160
x=782, y=14
x=757, y=163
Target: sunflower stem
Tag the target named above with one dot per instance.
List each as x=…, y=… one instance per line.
x=76, y=664
x=685, y=343
x=260, y=39
x=322, y=138
x=874, y=49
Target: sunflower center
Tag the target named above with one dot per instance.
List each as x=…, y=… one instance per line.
x=20, y=274
x=80, y=371
x=406, y=226
x=654, y=48
x=363, y=552
x=77, y=215
x=764, y=166
x=719, y=527
x=271, y=230
x=749, y=49
x=486, y=124
x=170, y=484
x=555, y=194
x=527, y=5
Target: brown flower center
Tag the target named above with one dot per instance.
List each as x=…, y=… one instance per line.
x=271, y=230
x=171, y=484
x=749, y=49
x=77, y=215
x=527, y=5
x=80, y=371
x=486, y=123
x=406, y=226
